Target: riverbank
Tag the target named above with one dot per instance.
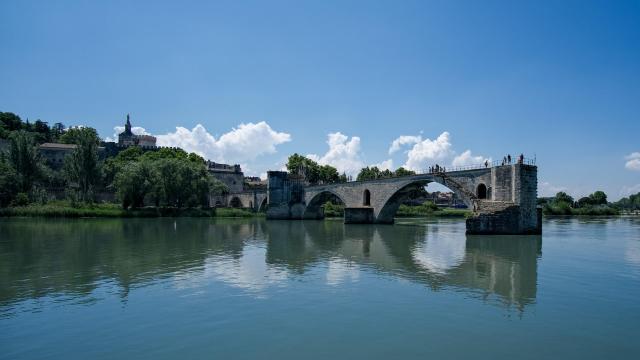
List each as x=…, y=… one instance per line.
x=63, y=209
x=425, y=210
x=565, y=209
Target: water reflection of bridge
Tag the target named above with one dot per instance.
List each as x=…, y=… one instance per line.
x=43, y=257
x=440, y=256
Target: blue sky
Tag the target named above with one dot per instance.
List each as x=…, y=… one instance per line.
x=560, y=80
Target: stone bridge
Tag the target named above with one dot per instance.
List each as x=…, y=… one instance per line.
x=255, y=200
x=503, y=198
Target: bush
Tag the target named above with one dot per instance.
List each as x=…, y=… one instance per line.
x=233, y=212
x=428, y=208
x=333, y=210
x=21, y=199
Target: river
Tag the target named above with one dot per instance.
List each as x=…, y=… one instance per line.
x=253, y=289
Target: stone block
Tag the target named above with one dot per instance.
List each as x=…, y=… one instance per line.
x=358, y=215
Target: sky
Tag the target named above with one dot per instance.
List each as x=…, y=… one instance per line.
x=348, y=83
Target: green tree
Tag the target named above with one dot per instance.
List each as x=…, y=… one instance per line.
x=56, y=131
x=563, y=197
x=114, y=164
x=42, y=132
x=76, y=134
x=598, y=198
x=298, y=164
x=81, y=166
x=8, y=182
x=167, y=178
x=629, y=203
x=403, y=172
x=328, y=174
x=23, y=158
x=312, y=171
x=11, y=121
x=369, y=173
x=133, y=182
x=4, y=133
x=584, y=201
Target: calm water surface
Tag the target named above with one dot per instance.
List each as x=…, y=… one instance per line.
x=218, y=289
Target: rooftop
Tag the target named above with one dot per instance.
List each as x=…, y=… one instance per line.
x=58, y=146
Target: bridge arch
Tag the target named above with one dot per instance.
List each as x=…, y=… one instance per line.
x=313, y=208
x=389, y=207
x=263, y=205
x=235, y=202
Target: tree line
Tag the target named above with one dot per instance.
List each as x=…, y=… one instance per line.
x=593, y=204
x=166, y=177
x=315, y=173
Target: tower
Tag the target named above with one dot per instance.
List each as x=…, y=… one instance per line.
x=127, y=126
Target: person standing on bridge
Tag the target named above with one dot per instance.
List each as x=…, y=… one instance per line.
x=521, y=158
x=508, y=158
x=486, y=163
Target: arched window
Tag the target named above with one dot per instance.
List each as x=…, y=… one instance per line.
x=235, y=202
x=366, y=198
x=482, y=191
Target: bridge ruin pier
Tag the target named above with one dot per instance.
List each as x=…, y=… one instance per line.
x=502, y=198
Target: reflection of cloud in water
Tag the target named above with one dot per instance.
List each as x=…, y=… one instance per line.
x=249, y=271
x=632, y=254
x=339, y=270
x=439, y=253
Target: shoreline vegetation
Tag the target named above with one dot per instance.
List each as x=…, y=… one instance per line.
x=595, y=204
x=65, y=209
x=427, y=209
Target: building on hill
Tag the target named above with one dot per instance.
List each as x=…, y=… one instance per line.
x=255, y=183
x=230, y=175
x=128, y=138
x=55, y=153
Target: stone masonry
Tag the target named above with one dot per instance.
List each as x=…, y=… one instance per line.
x=503, y=198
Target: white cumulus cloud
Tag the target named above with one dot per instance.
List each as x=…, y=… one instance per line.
x=385, y=165
x=344, y=154
x=466, y=158
x=546, y=189
x=244, y=143
x=398, y=143
x=633, y=161
x=424, y=152
x=630, y=190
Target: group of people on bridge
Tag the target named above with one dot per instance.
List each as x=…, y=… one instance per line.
x=507, y=159
x=437, y=169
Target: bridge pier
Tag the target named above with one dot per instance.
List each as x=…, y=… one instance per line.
x=358, y=215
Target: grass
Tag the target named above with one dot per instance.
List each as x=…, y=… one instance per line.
x=428, y=210
x=235, y=213
x=65, y=209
